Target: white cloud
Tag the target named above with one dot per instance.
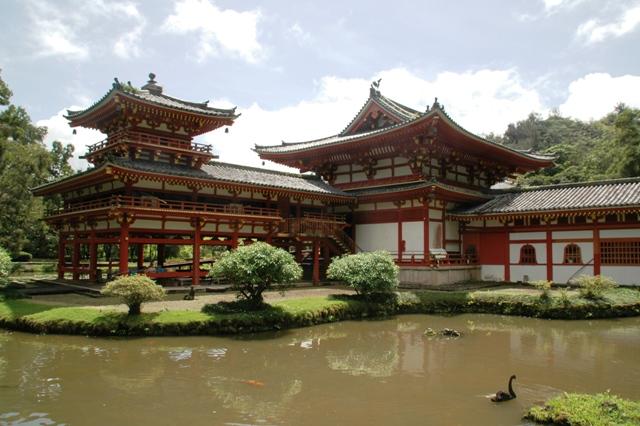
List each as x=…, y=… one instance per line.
x=67, y=32
x=552, y=6
x=58, y=130
x=298, y=34
x=595, y=95
x=482, y=101
x=233, y=32
x=593, y=31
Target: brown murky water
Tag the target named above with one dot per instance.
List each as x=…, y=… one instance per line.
x=353, y=373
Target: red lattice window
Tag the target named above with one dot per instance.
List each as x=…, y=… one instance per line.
x=528, y=254
x=620, y=252
x=572, y=254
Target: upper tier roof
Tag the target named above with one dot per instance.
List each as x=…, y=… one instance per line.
x=572, y=196
x=405, y=117
x=151, y=94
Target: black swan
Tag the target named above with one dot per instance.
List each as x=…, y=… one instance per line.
x=191, y=295
x=503, y=396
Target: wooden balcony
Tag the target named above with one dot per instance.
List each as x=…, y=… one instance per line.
x=154, y=204
x=319, y=226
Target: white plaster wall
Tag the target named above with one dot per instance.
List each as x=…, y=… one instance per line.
x=342, y=179
x=402, y=171
x=209, y=227
x=171, y=187
x=541, y=252
x=492, y=272
x=178, y=226
x=452, y=247
x=435, y=235
x=384, y=162
x=383, y=173
x=377, y=236
x=343, y=168
x=620, y=233
x=148, y=184
x=535, y=272
x=452, y=230
x=413, y=235
x=572, y=234
x=586, y=250
x=360, y=176
x=622, y=274
x=515, y=236
x=147, y=224
x=494, y=223
x=562, y=273
x=435, y=214
x=366, y=207
x=387, y=205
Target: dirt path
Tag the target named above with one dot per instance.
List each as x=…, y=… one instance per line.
x=175, y=302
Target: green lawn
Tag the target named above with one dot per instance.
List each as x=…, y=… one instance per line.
x=27, y=315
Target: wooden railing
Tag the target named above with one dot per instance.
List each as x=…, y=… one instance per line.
x=144, y=138
x=321, y=226
x=144, y=202
x=418, y=259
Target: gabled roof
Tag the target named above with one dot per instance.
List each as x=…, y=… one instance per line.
x=395, y=109
x=151, y=93
x=274, y=152
x=614, y=193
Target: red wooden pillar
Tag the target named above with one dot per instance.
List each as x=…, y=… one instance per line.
x=93, y=257
x=425, y=232
x=61, y=250
x=400, y=240
x=549, y=256
x=444, y=225
x=316, y=262
x=75, y=258
x=140, y=256
x=596, y=251
x=195, y=279
x=124, y=248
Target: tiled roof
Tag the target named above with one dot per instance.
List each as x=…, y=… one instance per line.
x=416, y=185
x=404, y=113
x=574, y=196
x=238, y=174
x=412, y=117
x=152, y=93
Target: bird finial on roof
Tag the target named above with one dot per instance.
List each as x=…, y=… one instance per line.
x=436, y=104
x=374, y=90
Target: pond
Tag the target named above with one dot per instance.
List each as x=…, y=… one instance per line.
x=351, y=373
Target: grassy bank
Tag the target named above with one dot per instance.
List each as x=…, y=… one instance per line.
x=581, y=409
x=29, y=316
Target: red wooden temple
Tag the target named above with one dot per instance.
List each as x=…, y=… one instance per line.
x=414, y=183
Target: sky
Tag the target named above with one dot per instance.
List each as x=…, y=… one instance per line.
x=300, y=70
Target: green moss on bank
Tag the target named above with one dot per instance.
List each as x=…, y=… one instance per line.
x=28, y=316
x=581, y=410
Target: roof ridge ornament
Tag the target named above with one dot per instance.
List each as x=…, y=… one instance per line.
x=152, y=85
x=374, y=90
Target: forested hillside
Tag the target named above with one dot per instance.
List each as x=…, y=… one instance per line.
x=604, y=149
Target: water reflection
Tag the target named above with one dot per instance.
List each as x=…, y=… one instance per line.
x=348, y=373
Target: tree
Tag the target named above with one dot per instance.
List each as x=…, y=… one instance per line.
x=25, y=163
x=5, y=267
x=367, y=273
x=255, y=268
x=134, y=291
x=627, y=140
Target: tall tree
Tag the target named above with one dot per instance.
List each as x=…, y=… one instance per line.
x=25, y=163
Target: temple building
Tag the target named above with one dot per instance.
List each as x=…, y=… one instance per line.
x=413, y=183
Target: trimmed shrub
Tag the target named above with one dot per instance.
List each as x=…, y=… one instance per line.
x=134, y=291
x=255, y=268
x=594, y=287
x=5, y=267
x=366, y=273
x=544, y=286
x=23, y=256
